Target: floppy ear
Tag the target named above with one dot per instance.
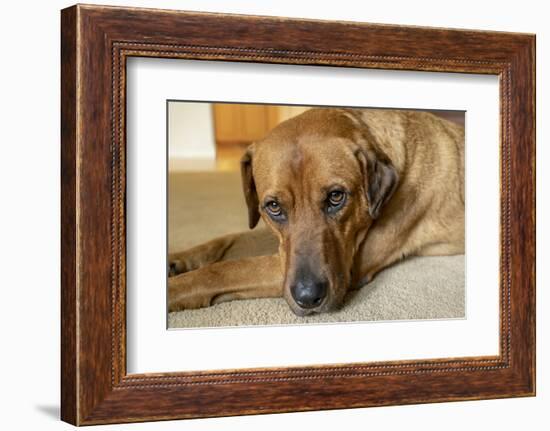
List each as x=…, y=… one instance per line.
x=381, y=180
x=249, y=188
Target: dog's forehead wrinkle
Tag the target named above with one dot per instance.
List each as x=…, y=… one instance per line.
x=299, y=187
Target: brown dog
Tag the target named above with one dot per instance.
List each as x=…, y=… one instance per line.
x=347, y=192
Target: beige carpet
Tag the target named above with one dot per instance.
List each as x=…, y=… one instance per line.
x=203, y=205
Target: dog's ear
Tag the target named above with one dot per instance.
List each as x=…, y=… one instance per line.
x=381, y=180
x=249, y=187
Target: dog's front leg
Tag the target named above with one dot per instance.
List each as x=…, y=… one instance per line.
x=257, y=242
x=200, y=255
x=254, y=277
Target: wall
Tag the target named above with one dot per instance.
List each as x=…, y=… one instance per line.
x=191, y=131
x=29, y=228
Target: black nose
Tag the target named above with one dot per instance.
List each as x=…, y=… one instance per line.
x=309, y=293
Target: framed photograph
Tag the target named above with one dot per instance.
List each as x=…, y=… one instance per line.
x=263, y=214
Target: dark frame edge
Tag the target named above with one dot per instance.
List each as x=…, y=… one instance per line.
x=69, y=356
x=522, y=76
x=529, y=62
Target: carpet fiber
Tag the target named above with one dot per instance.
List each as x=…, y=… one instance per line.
x=204, y=205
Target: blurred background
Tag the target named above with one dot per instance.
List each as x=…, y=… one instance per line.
x=213, y=136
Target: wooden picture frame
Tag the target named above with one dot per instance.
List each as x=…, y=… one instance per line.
x=95, y=43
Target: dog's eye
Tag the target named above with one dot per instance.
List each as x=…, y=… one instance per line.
x=336, y=198
x=273, y=208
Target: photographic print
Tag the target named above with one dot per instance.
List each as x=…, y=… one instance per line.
x=285, y=214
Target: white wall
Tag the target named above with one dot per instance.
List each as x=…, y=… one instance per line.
x=191, y=131
x=29, y=227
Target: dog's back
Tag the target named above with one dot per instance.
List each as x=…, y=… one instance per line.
x=428, y=152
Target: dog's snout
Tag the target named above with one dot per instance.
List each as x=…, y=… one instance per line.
x=309, y=293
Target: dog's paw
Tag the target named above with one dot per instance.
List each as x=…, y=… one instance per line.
x=175, y=267
x=180, y=263
x=186, y=292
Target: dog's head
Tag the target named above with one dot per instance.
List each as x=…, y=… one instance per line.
x=315, y=184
